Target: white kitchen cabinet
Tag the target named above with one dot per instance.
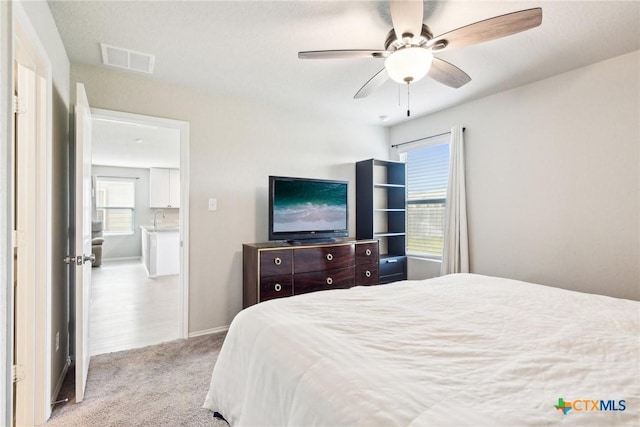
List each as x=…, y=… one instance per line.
x=174, y=188
x=164, y=188
x=161, y=251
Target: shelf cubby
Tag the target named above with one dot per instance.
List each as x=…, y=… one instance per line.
x=381, y=213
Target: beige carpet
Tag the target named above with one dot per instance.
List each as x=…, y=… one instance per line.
x=160, y=385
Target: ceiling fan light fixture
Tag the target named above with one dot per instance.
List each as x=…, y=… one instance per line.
x=409, y=64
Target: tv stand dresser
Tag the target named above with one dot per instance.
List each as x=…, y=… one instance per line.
x=280, y=269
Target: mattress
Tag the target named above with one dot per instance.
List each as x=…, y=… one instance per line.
x=456, y=350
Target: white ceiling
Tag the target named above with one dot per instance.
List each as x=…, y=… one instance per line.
x=134, y=145
x=249, y=49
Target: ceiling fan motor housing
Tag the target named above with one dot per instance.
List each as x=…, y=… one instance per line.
x=392, y=42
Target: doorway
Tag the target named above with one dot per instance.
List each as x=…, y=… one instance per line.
x=139, y=298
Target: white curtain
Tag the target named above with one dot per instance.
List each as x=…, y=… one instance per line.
x=455, y=256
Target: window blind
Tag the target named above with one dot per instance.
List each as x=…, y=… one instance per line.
x=427, y=178
x=115, y=203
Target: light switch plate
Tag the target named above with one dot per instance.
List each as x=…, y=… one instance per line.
x=213, y=204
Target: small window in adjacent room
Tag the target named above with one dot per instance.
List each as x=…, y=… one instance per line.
x=115, y=203
x=427, y=177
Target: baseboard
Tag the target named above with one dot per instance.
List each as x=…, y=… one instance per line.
x=61, y=378
x=126, y=258
x=209, y=331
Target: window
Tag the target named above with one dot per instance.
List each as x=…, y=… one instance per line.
x=427, y=177
x=115, y=202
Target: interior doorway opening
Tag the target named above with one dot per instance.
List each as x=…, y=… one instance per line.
x=140, y=175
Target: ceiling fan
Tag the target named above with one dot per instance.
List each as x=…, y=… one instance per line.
x=410, y=45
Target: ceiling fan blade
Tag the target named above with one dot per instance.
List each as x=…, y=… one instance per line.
x=343, y=54
x=489, y=29
x=374, y=83
x=448, y=74
x=406, y=16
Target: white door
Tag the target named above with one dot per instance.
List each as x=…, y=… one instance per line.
x=82, y=242
x=24, y=286
x=31, y=195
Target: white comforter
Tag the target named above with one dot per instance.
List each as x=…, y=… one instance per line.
x=456, y=350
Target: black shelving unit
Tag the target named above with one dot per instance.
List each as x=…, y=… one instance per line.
x=381, y=213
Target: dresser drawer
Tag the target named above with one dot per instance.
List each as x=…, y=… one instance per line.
x=367, y=253
x=276, y=287
x=323, y=258
x=323, y=280
x=275, y=263
x=393, y=269
x=366, y=275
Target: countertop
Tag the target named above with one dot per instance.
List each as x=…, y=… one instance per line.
x=160, y=228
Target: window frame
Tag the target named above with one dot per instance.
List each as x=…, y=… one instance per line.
x=102, y=210
x=403, y=155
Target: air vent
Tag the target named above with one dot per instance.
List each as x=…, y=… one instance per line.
x=127, y=59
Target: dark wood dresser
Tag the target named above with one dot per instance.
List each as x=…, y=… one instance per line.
x=278, y=269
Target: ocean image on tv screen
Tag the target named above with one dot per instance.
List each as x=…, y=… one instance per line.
x=303, y=206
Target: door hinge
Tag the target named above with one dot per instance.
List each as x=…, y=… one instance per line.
x=17, y=238
x=17, y=373
x=19, y=104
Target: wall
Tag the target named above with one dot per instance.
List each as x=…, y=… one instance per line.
x=420, y=268
x=130, y=246
x=553, y=178
x=234, y=145
x=40, y=17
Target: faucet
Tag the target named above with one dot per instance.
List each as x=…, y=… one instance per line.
x=155, y=217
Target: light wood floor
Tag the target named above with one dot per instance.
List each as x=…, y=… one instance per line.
x=128, y=310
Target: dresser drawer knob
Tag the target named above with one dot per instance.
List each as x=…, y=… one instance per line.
x=277, y=261
x=368, y=252
x=329, y=257
x=367, y=273
x=329, y=281
x=278, y=287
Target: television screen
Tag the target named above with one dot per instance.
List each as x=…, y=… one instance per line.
x=302, y=208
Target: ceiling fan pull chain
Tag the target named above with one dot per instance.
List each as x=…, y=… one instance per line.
x=408, y=105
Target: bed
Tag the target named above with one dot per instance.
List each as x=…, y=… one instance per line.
x=456, y=350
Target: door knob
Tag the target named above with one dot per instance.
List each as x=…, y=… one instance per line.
x=81, y=259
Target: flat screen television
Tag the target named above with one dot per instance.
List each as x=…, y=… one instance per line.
x=303, y=209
